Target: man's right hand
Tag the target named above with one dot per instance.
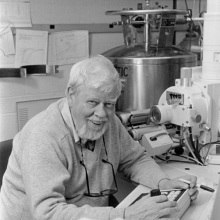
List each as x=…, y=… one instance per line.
x=151, y=208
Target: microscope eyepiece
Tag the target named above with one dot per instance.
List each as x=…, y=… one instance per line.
x=155, y=114
x=161, y=114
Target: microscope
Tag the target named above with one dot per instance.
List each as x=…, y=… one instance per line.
x=186, y=118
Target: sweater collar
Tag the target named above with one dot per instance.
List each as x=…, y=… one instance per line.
x=69, y=121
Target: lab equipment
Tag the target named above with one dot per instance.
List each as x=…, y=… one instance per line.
x=190, y=107
x=199, y=186
x=193, y=106
x=193, y=103
x=155, y=138
x=181, y=196
x=147, y=67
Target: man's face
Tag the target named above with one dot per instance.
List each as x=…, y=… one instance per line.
x=92, y=111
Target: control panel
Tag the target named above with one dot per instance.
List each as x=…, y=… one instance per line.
x=181, y=196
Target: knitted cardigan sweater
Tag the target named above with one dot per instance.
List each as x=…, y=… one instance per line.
x=45, y=180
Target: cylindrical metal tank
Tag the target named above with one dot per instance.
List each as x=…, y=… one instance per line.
x=147, y=73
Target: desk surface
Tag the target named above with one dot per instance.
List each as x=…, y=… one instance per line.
x=207, y=175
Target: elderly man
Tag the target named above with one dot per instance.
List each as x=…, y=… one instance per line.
x=64, y=160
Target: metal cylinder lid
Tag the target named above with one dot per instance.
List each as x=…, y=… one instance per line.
x=143, y=12
x=154, y=55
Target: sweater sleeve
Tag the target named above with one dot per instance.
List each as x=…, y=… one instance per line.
x=135, y=162
x=45, y=175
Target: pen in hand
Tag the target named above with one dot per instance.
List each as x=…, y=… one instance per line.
x=199, y=186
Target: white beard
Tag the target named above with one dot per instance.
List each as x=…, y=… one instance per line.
x=86, y=132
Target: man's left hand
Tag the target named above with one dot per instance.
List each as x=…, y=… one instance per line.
x=177, y=184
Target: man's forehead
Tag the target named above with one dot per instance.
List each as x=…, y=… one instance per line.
x=90, y=92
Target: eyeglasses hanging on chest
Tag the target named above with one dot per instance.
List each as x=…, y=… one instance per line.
x=105, y=192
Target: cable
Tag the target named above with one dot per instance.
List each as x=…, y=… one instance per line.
x=215, y=142
x=210, y=143
x=189, y=147
x=195, y=148
x=186, y=157
x=204, y=158
x=191, y=139
x=190, y=15
x=201, y=31
x=173, y=160
x=192, y=25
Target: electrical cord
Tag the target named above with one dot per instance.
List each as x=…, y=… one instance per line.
x=169, y=154
x=190, y=149
x=192, y=25
x=190, y=136
x=195, y=147
x=190, y=15
x=169, y=159
x=172, y=160
x=186, y=157
x=210, y=144
x=197, y=150
x=215, y=142
x=201, y=30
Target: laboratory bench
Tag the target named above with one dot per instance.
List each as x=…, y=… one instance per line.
x=201, y=208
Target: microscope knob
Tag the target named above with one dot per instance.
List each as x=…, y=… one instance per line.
x=197, y=118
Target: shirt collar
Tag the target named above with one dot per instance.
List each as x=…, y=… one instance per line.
x=69, y=121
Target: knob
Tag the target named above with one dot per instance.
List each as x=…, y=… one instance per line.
x=155, y=192
x=196, y=118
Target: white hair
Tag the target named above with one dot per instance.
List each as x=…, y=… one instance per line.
x=97, y=72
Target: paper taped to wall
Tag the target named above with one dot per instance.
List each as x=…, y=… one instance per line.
x=68, y=47
x=31, y=47
x=15, y=13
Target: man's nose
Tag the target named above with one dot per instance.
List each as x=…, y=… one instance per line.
x=100, y=111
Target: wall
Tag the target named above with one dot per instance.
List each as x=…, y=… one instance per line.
x=14, y=90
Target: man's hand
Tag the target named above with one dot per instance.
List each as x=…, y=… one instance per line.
x=151, y=208
x=177, y=184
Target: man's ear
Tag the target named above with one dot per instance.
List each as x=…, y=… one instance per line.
x=70, y=93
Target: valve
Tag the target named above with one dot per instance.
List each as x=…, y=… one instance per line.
x=205, y=126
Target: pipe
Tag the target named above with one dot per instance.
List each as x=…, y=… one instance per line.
x=174, y=7
x=211, y=42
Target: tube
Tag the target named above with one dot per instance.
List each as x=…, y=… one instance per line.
x=211, y=42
